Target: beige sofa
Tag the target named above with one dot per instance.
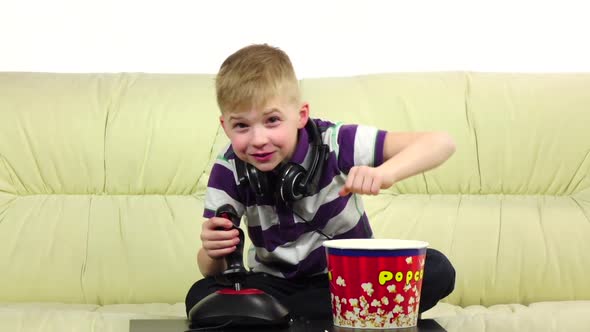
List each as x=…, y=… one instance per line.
x=102, y=179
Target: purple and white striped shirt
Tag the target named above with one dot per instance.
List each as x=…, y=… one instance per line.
x=283, y=244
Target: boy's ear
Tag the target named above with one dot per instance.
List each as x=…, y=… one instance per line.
x=303, y=115
x=222, y=121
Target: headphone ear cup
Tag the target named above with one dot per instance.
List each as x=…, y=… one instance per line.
x=289, y=182
x=258, y=181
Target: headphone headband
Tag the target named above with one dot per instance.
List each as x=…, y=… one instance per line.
x=310, y=182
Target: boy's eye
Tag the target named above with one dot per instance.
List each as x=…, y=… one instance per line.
x=240, y=125
x=273, y=119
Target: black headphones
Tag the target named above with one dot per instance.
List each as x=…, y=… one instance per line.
x=293, y=181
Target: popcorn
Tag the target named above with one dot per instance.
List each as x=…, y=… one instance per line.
x=391, y=288
x=338, y=306
x=363, y=301
x=368, y=288
x=378, y=321
x=350, y=315
x=384, y=312
x=365, y=311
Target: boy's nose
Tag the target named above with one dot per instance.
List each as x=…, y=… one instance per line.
x=259, y=137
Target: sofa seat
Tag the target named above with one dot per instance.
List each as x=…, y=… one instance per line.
x=558, y=316
x=59, y=317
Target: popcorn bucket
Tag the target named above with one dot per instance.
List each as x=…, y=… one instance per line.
x=375, y=283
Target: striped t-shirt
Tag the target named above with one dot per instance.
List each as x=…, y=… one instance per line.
x=283, y=244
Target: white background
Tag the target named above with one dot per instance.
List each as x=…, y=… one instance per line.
x=323, y=38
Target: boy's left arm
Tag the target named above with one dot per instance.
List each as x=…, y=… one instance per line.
x=404, y=154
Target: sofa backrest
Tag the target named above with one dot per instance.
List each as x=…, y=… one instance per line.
x=102, y=179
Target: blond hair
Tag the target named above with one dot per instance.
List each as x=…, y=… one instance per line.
x=252, y=76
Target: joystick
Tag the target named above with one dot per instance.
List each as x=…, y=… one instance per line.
x=237, y=306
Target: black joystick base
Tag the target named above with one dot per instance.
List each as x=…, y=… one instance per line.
x=246, y=307
x=237, y=306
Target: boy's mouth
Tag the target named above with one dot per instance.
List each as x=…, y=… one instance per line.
x=262, y=157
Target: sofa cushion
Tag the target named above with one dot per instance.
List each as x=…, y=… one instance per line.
x=130, y=134
x=399, y=102
x=99, y=249
x=537, y=317
x=531, y=131
x=59, y=317
x=505, y=248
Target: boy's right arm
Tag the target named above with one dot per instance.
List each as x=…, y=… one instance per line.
x=218, y=240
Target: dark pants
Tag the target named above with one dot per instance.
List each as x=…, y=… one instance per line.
x=310, y=297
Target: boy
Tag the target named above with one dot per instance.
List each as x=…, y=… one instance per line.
x=297, y=182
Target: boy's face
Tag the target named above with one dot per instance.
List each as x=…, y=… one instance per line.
x=265, y=137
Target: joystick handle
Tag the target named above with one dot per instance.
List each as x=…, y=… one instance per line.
x=235, y=270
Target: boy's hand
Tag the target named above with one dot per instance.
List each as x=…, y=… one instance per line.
x=365, y=180
x=218, y=238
